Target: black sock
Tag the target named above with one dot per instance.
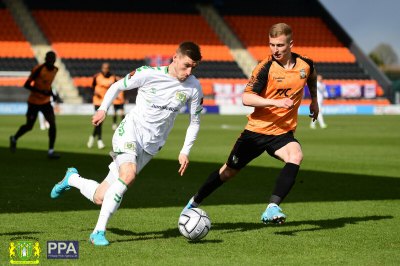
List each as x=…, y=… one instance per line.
x=212, y=183
x=22, y=130
x=52, y=136
x=284, y=182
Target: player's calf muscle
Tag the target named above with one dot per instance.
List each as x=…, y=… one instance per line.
x=127, y=173
x=100, y=191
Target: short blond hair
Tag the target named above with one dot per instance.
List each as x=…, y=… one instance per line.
x=280, y=29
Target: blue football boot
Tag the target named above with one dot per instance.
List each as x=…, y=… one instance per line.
x=62, y=186
x=273, y=214
x=191, y=204
x=98, y=238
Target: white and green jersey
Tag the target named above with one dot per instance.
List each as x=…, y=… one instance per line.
x=159, y=100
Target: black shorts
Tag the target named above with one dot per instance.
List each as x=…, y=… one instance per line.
x=96, y=107
x=250, y=145
x=118, y=107
x=46, y=109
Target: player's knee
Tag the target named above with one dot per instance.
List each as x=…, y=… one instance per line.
x=127, y=173
x=296, y=157
x=97, y=199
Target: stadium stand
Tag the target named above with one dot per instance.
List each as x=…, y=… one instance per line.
x=313, y=37
x=85, y=35
x=128, y=34
x=16, y=56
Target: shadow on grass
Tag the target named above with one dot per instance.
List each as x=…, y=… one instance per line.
x=318, y=225
x=168, y=233
x=27, y=178
x=20, y=233
x=328, y=224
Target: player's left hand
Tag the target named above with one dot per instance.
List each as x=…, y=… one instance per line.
x=314, y=110
x=184, y=162
x=98, y=117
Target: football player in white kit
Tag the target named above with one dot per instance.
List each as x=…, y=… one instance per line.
x=162, y=92
x=321, y=93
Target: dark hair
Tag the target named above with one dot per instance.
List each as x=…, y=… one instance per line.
x=190, y=49
x=51, y=54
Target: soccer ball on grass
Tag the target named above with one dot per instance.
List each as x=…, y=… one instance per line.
x=194, y=224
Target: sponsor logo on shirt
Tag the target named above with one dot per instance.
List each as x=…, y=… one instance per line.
x=166, y=107
x=279, y=79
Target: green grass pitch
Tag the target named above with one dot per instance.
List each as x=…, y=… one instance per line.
x=343, y=210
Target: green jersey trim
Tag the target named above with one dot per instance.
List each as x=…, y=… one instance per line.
x=125, y=81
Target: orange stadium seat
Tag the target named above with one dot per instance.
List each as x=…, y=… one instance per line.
x=312, y=37
x=318, y=54
x=12, y=42
x=12, y=82
x=118, y=35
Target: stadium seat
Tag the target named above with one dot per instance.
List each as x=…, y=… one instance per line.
x=105, y=35
x=17, y=64
x=12, y=41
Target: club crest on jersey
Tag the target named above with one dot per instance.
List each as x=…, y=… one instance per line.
x=180, y=96
x=303, y=73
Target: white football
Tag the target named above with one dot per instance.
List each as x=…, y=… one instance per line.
x=194, y=224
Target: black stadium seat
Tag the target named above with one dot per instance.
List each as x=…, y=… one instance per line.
x=89, y=67
x=206, y=69
x=154, y=6
x=258, y=8
x=341, y=71
x=13, y=94
x=218, y=69
x=17, y=64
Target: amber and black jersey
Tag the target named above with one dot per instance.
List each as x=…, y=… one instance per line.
x=42, y=78
x=271, y=80
x=101, y=83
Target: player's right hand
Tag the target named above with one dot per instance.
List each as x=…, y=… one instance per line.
x=284, y=103
x=98, y=117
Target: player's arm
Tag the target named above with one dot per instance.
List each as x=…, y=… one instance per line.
x=257, y=83
x=312, y=86
x=195, y=106
x=94, y=83
x=254, y=100
x=131, y=81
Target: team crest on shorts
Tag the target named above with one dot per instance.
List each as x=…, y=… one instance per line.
x=24, y=250
x=130, y=146
x=235, y=159
x=180, y=96
x=303, y=73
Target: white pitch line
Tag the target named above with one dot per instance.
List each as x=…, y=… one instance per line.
x=230, y=127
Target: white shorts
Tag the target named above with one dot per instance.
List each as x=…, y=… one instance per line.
x=126, y=149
